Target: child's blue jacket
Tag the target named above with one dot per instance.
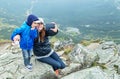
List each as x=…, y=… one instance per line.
x=27, y=36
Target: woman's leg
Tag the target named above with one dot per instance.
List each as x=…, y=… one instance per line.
x=55, y=64
x=57, y=58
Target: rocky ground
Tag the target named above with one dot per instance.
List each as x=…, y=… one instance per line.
x=96, y=61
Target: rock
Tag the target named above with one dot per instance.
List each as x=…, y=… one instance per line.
x=61, y=44
x=92, y=46
x=60, y=53
x=89, y=73
x=109, y=44
x=107, y=52
x=15, y=49
x=11, y=67
x=70, y=69
x=3, y=47
x=118, y=49
x=81, y=55
x=79, y=62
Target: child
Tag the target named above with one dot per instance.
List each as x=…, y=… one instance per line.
x=25, y=35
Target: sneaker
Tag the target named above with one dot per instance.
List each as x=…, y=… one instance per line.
x=57, y=72
x=30, y=64
x=29, y=67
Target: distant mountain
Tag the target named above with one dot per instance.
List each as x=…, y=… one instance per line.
x=93, y=18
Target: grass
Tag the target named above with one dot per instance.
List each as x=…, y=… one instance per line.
x=53, y=39
x=68, y=49
x=88, y=42
x=102, y=65
x=4, y=40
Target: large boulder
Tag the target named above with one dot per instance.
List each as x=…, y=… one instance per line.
x=11, y=67
x=107, y=52
x=61, y=44
x=82, y=56
x=106, y=55
x=89, y=73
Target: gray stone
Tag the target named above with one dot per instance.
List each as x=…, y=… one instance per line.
x=81, y=55
x=11, y=67
x=89, y=73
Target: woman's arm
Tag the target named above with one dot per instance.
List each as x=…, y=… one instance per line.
x=52, y=31
x=55, y=29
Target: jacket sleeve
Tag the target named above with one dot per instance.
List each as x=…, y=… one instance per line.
x=51, y=33
x=33, y=33
x=17, y=31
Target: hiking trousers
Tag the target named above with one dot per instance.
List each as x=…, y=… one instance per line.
x=53, y=60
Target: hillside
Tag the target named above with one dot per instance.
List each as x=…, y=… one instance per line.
x=94, y=19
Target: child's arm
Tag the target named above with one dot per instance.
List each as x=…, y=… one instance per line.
x=33, y=33
x=17, y=31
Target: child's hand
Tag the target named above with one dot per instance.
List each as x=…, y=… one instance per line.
x=16, y=38
x=32, y=28
x=15, y=43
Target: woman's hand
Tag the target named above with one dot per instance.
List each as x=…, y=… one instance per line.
x=54, y=29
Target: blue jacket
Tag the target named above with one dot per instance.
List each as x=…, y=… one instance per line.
x=26, y=36
x=43, y=48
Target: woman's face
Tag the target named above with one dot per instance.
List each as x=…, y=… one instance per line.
x=40, y=26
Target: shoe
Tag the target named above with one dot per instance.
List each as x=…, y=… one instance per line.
x=29, y=67
x=57, y=72
x=30, y=64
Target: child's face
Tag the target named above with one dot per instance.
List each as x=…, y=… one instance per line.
x=40, y=26
x=34, y=24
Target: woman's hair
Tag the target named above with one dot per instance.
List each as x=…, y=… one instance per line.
x=42, y=34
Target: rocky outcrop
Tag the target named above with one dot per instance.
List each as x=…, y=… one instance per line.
x=11, y=66
x=89, y=73
x=97, y=61
x=105, y=58
x=61, y=44
x=83, y=56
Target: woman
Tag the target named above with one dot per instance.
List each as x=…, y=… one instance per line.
x=42, y=48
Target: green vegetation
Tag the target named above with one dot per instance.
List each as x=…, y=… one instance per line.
x=115, y=51
x=87, y=42
x=68, y=49
x=116, y=67
x=5, y=30
x=53, y=39
x=102, y=65
x=4, y=40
